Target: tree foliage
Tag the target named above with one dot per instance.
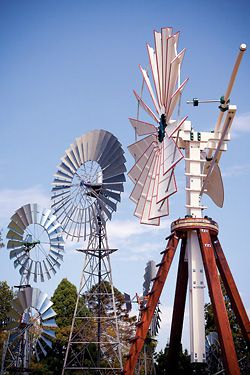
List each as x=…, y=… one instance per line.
x=6, y=296
x=64, y=299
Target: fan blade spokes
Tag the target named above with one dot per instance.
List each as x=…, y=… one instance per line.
x=49, y=323
x=113, y=170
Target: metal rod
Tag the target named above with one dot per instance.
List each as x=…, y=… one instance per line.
x=243, y=48
x=204, y=101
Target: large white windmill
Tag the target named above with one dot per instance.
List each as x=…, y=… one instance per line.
x=156, y=155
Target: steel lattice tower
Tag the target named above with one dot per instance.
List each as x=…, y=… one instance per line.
x=94, y=344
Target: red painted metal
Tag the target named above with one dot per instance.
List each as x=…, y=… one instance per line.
x=232, y=291
x=178, y=311
x=148, y=312
x=221, y=318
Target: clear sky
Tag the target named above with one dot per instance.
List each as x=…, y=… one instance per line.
x=67, y=67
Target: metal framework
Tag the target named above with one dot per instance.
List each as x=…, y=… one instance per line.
x=94, y=345
x=205, y=232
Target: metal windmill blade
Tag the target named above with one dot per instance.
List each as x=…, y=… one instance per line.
x=150, y=273
x=35, y=242
x=157, y=154
x=88, y=183
x=32, y=311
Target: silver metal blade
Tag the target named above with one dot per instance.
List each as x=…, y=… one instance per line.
x=42, y=348
x=47, y=341
x=16, y=252
x=46, y=270
x=50, y=313
x=14, y=236
x=118, y=178
x=22, y=215
x=27, y=210
x=49, y=332
x=15, y=228
x=16, y=219
x=49, y=323
x=111, y=194
x=45, y=306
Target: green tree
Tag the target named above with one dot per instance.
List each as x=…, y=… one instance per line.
x=64, y=299
x=6, y=296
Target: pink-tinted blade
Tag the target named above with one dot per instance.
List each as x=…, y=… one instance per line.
x=174, y=99
x=158, y=53
x=173, y=75
x=142, y=128
x=157, y=210
x=150, y=89
x=140, y=164
x=137, y=191
x=171, y=154
x=173, y=126
x=138, y=148
x=149, y=197
x=154, y=70
x=145, y=107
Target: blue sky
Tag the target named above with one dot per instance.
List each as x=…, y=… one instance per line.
x=68, y=67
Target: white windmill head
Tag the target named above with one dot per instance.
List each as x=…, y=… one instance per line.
x=157, y=153
x=88, y=183
x=35, y=242
x=32, y=310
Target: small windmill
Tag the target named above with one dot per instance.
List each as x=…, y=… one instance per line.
x=36, y=246
x=86, y=189
x=153, y=175
x=146, y=360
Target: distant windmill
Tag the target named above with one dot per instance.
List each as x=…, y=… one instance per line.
x=153, y=175
x=36, y=245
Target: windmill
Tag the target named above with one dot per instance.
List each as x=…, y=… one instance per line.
x=86, y=189
x=36, y=247
x=153, y=175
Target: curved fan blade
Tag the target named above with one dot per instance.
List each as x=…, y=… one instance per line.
x=150, y=273
x=34, y=228
x=91, y=170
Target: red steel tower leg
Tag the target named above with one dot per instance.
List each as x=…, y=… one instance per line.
x=178, y=311
x=148, y=312
x=221, y=318
x=232, y=291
